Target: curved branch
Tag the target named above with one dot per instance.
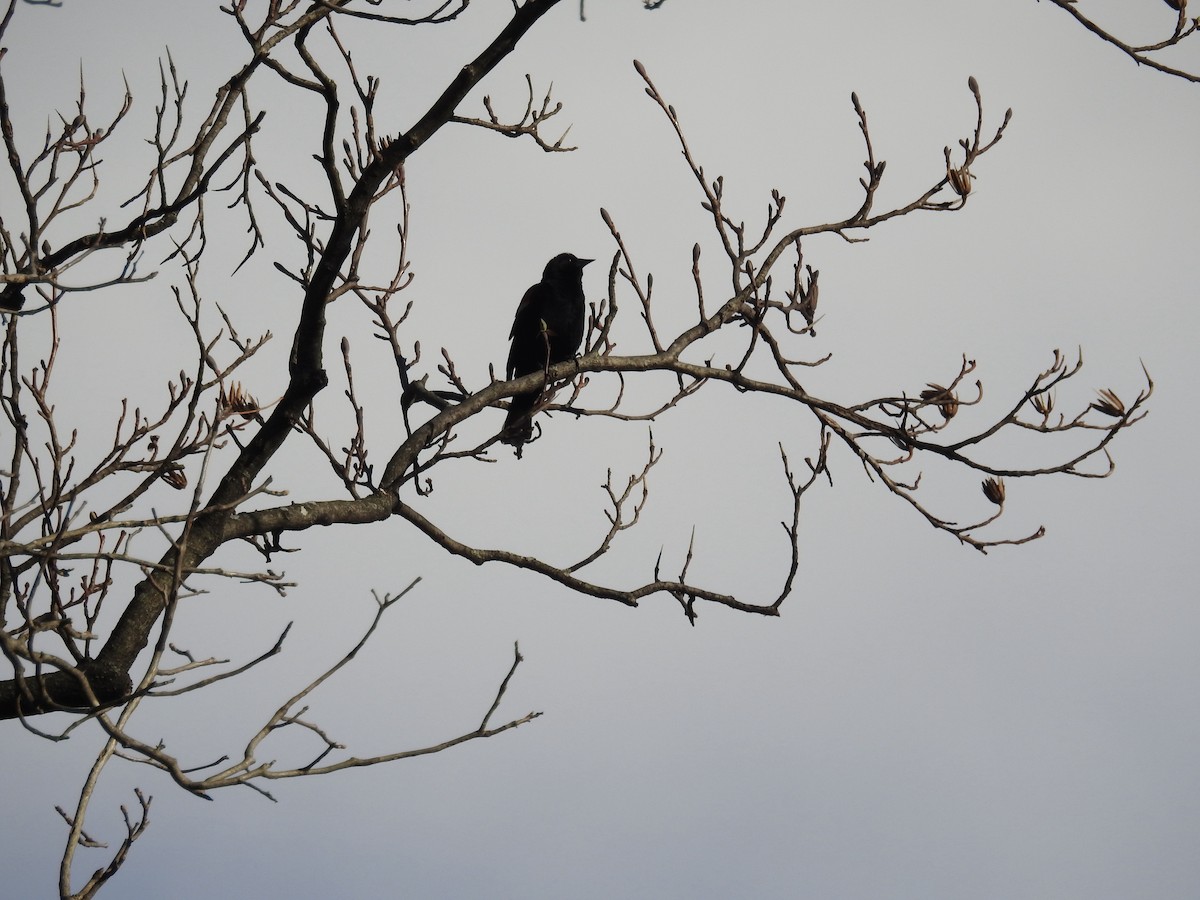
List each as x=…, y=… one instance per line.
x=1184, y=27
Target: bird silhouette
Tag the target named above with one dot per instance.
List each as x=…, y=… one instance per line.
x=11, y=298
x=547, y=329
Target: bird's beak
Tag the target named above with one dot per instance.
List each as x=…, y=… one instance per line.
x=584, y=262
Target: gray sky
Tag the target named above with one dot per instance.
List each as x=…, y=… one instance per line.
x=923, y=721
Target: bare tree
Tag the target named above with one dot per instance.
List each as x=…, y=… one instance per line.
x=89, y=621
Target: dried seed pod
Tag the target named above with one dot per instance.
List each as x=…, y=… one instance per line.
x=993, y=489
x=175, y=477
x=960, y=180
x=943, y=398
x=1109, y=404
x=1043, y=403
x=239, y=401
x=808, y=298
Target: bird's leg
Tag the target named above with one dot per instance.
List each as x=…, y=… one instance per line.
x=545, y=333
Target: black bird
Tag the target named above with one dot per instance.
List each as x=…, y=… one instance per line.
x=548, y=329
x=11, y=298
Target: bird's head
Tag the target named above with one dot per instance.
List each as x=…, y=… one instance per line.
x=564, y=266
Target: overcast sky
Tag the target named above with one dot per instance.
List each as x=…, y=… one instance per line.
x=923, y=721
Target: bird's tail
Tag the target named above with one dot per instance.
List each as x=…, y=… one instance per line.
x=518, y=425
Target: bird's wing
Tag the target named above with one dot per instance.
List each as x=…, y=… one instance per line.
x=526, y=309
x=525, y=328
